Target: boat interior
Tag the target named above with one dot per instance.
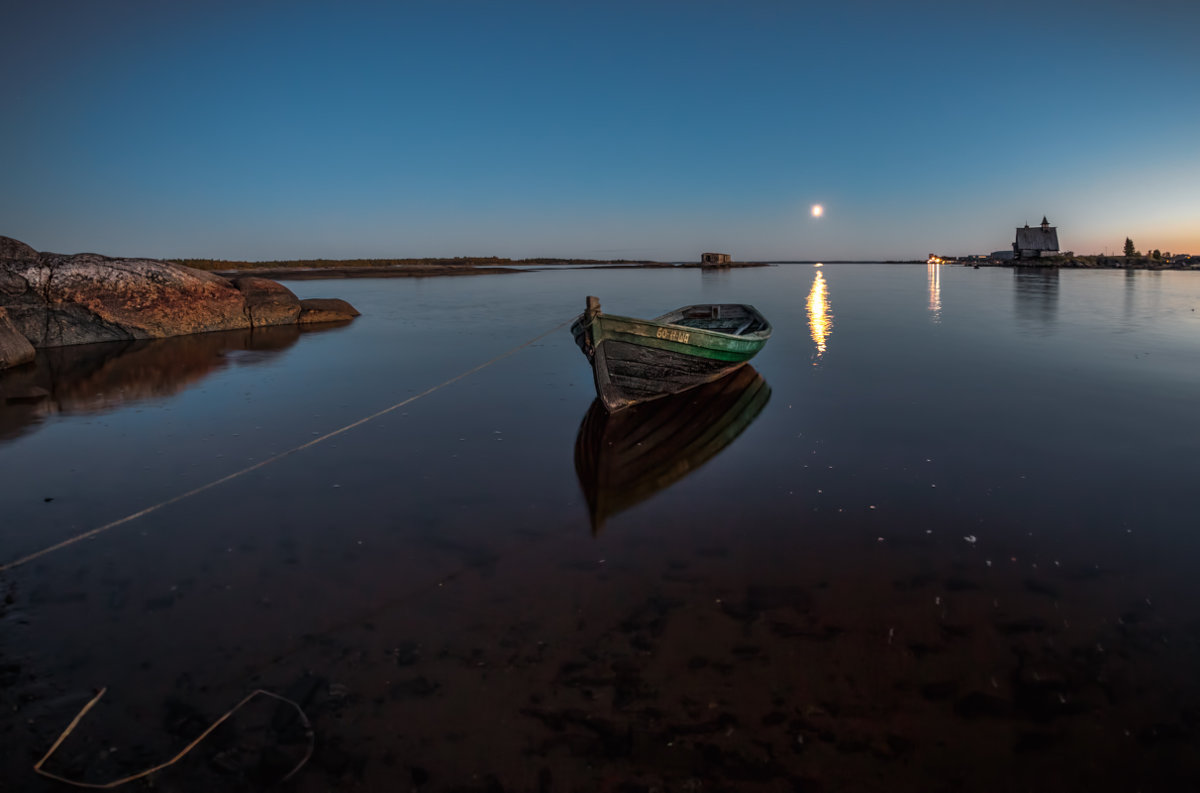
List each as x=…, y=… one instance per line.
x=733, y=318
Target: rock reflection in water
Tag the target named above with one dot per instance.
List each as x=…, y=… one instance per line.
x=623, y=458
x=89, y=378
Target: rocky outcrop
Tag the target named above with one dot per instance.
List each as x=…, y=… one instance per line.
x=54, y=300
x=15, y=349
x=325, y=309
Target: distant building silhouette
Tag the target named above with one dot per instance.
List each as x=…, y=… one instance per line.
x=1036, y=242
x=715, y=258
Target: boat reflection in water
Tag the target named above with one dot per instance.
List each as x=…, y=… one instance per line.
x=623, y=458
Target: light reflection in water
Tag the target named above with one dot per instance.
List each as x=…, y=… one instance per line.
x=820, y=317
x=935, y=292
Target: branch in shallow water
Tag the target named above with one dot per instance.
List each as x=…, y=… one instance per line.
x=308, y=732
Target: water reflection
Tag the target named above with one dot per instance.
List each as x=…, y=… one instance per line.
x=1035, y=295
x=935, y=291
x=90, y=378
x=1130, y=288
x=714, y=278
x=820, y=316
x=624, y=458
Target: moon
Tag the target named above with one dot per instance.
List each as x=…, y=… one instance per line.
x=817, y=210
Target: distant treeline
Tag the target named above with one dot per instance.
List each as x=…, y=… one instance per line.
x=460, y=261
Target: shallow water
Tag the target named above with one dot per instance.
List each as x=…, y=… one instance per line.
x=951, y=552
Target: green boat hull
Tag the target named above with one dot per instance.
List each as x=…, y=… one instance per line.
x=636, y=360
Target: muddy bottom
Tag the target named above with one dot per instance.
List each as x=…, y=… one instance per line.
x=543, y=667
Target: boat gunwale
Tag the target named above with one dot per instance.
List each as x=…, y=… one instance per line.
x=640, y=327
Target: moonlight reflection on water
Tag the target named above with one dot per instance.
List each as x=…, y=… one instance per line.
x=820, y=317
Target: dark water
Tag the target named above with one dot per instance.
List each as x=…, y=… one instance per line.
x=955, y=549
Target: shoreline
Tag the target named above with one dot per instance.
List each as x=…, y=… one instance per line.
x=1089, y=263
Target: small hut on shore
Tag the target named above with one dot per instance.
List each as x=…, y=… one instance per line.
x=714, y=259
x=1033, y=243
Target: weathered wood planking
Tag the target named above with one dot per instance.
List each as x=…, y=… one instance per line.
x=634, y=360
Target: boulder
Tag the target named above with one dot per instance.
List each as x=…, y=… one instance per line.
x=325, y=309
x=268, y=302
x=54, y=300
x=15, y=349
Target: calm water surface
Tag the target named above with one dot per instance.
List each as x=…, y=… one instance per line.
x=951, y=545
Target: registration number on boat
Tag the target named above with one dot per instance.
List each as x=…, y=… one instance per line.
x=671, y=334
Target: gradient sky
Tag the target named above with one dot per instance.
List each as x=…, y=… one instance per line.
x=271, y=130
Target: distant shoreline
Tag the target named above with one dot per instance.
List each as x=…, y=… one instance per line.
x=314, y=273
x=307, y=271
x=420, y=262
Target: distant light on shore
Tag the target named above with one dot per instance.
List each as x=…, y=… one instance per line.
x=817, y=210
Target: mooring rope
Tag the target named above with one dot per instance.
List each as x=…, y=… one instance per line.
x=228, y=477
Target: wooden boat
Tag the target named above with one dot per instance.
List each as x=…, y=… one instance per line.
x=635, y=360
x=625, y=457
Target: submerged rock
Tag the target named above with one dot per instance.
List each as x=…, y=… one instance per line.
x=54, y=300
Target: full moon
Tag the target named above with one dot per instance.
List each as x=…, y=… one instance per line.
x=818, y=210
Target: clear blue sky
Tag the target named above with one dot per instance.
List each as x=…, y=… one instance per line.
x=268, y=130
